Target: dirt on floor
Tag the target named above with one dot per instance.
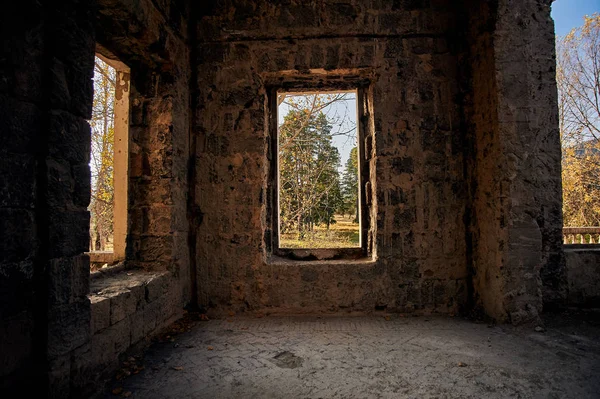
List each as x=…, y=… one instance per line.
x=376, y=356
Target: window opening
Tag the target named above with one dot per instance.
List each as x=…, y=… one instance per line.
x=108, y=161
x=318, y=170
x=578, y=81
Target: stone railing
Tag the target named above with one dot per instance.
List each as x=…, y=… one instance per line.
x=581, y=235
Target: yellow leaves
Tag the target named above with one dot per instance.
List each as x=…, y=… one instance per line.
x=578, y=74
x=101, y=165
x=581, y=184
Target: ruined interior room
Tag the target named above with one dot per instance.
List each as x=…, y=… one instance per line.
x=455, y=280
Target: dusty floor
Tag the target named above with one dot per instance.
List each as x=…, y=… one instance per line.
x=369, y=357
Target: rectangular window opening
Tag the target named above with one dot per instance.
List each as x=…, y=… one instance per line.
x=318, y=173
x=109, y=162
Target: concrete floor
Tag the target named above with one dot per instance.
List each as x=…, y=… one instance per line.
x=368, y=357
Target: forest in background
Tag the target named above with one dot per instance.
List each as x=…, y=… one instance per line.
x=318, y=200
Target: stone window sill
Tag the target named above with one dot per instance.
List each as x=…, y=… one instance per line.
x=103, y=260
x=581, y=247
x=101, y=256
x=105, y=272
x=274, y=260
x=119, y=294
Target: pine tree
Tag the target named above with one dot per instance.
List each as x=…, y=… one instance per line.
x=310, y=191
x=350, y=185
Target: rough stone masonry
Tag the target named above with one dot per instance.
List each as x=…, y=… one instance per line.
x=461, y=137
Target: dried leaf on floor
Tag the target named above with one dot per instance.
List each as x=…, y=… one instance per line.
x=117, y=391
x=177, y=368
x=210, y=348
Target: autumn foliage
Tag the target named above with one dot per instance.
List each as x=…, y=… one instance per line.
x=101, y=163
x=578, y=79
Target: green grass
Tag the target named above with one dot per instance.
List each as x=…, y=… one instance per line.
x=343, y=234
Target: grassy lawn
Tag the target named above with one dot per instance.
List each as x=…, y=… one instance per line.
x=343, y=234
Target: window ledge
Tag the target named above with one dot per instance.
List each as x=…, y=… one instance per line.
x=101, y=256
x=106, y=272
x=274, y=260
x=581, y=247
x=119, y=300
x=114, y=280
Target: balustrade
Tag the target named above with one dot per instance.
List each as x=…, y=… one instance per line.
x=581, y=235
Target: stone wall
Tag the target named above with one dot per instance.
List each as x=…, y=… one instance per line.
x=46, y=93
x=127, y=308
x=465, y=162
x=485, y=216
x=583, y=276
x=159, y=127
x=409, y=52
x=22, y=115
x=515, y=215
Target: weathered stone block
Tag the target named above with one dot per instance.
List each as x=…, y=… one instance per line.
x=81, y=89
x=16, y=340
x=17, y=180
x=82, y=189
x=122, y=304
x=16, y=288
x=156, y=287
x=17, y=235
x=60, y=98
x=21, y=127
x=60, y=183
x=121, y=333
x=69, y=232
x=68, y=327
x=394, y=48
x=68, y=279
x=151, y=316
x=69, y=137
x=100, y=313
x=583, y=276
x=109, y=343
x=154, y=248
x=137, y=326
x=59, y=376
x=86, y=372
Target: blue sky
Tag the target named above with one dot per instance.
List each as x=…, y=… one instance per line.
x=568, y=14
x=343, y=114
